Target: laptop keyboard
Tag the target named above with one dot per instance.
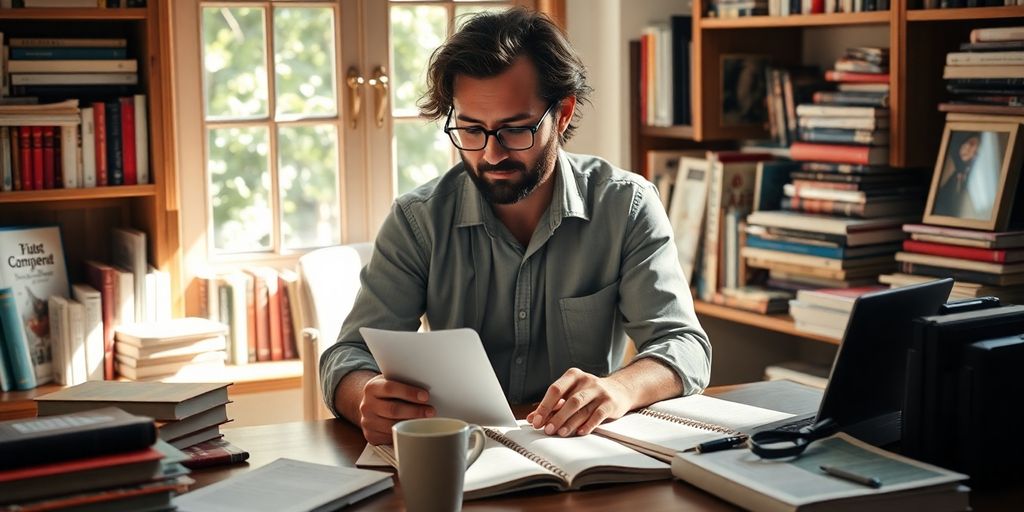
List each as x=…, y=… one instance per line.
x=797, y=425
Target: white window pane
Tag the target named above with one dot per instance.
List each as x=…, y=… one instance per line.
x=239, y=174
x=234, y=63
x=422, y=152
x=415, y=32
x=308, y=174
x=304, y=61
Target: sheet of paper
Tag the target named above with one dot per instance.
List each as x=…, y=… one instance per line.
x=371, y=459
x=719, y=412
x=286, y=485
x=451, y=365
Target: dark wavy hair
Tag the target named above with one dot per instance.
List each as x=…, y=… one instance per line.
x=490, y=42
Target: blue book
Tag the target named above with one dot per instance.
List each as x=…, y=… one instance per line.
x=795, y=248
x=68, y=53
x=16, y=344
x=115, y=148
x=5, y=365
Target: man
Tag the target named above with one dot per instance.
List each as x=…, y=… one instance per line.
x=551, y=257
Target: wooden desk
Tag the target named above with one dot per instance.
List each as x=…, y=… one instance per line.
x=336, y=442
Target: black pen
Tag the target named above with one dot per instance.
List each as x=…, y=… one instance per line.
x=726, y=443
x=869, y=481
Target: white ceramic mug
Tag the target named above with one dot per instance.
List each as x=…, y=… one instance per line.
x=433, y=454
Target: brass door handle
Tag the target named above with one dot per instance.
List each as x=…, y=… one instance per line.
x=354, y=81
x=380, y=84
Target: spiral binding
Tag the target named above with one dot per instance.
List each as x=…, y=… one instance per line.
x=688, y=422
x=544, y=463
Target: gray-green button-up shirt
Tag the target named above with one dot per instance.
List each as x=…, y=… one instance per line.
x=601, y=265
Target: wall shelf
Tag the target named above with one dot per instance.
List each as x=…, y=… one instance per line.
x=778, y=323
x=74, y=194
x=668, y=132
x=98, y=14
x=802, y=20
x=968, y=13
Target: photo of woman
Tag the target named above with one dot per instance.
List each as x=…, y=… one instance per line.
x=969, y=179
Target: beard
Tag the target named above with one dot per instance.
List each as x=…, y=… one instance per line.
x=515, y=188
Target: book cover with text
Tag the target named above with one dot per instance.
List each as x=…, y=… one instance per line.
x=32, y=265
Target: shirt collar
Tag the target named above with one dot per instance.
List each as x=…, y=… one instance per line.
x=568, y=200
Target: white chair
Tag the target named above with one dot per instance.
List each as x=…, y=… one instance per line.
x=329, y=280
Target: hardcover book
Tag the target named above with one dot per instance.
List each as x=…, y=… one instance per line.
x=158, y=400
x=32, y=266
x=217, y=452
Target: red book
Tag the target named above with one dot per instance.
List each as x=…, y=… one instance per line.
x=38, y=164
x=287, y=333
x=77, y=465
x=738, y=156
x=965, y=253
x=838, y=153
x=130, y=162
x=49, y=167
x=216, y=452
x=104, y=278
x=78, y=475
x=25, y=156
x=863, y=78
x=817, y=6
x=261, y=308
x=99, y=116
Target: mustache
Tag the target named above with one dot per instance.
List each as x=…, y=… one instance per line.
x=502, y=166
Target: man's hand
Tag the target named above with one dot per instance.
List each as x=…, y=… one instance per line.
x=578, y=402
x=386, y=402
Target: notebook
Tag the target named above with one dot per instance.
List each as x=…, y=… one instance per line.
x=522, y=457
x=664, y=428
x=799, y=484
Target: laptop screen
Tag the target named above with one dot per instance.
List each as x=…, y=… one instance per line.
x=866, y=387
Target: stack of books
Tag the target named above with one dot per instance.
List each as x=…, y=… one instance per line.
x=982, y=263
x=59, y=68
x=989, y=70
x=102, y=459
x=180, y=347
x=826, y=311
x=186, y=413
x=850, y=126
x=792, y=7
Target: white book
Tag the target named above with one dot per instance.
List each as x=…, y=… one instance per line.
x=808, y=109
x=73, y=66
x=6, y=164
x=287, y=485
x=128, y=251
x=60, y=343
x=75, y=79
x=141, y=139
x=850, y=123
x=88, y=128
x=60, y=3
x=124, y=308
x=238, y=283
x=984, y=58
x=69, y=156
x=76, y=342
x=40, y=119
x=162, y=281
x=92, y=328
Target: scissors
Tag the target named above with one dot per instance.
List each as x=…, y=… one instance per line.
x=779, y=444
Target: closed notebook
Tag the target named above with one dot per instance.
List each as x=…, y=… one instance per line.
x=35, y=441
x=158, y=400
x=664, y=428
x=522, y=457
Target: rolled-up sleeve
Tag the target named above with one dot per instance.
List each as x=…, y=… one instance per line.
x=655, y=299
x=392, y=296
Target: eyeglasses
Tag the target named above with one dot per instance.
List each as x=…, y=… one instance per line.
x=512, y=138
x=780, y=444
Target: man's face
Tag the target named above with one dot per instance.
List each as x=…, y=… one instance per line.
x=969, y=148
x=509, y=99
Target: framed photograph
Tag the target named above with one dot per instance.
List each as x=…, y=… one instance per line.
x=686, y=211
x=743, y=90
x=976, y=174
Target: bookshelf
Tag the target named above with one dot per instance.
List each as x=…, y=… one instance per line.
x=86, y=214
x=918, y=40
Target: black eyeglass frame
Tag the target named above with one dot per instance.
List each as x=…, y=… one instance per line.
x=496, y=133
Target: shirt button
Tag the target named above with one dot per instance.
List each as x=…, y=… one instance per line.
x=519, y=360
x=522, y=314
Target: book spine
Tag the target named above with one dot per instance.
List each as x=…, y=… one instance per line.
x=865, y=78
x=76, y=342
x=69, y=42
x=997, y=34
x=880, y=100
x=831, y=153
x=811, y=250
x=23, y=375
x=69, y=156
x=59, y=350
x=251, y=318
x=16, y=157
x=239, y=322
x=131, y=175
x=68, y=53
x=953, y=251
x=102, y=279
x=27, y=160
x=262, y=305
x=274, y=315
x=825, y=206
x=93, y=330
x=76, y=443
x=141, y=139
x=38, y=160
x=115, y=147
x=5, y=159
x=88, y=134
x=708, y=280
x=100, y=127
x=287, y=332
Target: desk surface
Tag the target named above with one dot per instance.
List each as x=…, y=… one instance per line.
x=336, y=442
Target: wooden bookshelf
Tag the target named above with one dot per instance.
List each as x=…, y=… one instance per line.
x=969, y=13
x=245, y=379
x=778, y=323
x=803, y=20
x=86, y=216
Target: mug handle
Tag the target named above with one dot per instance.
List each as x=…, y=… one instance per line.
x=478, y=438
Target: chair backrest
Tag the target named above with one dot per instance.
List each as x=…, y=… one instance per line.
x=329, y=280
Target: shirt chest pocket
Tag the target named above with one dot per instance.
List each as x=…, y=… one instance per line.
x=588, y=322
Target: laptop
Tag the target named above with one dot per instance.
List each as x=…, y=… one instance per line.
x=865, y=390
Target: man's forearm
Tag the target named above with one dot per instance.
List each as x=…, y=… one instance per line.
x=350, y=393
x=648, y=381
